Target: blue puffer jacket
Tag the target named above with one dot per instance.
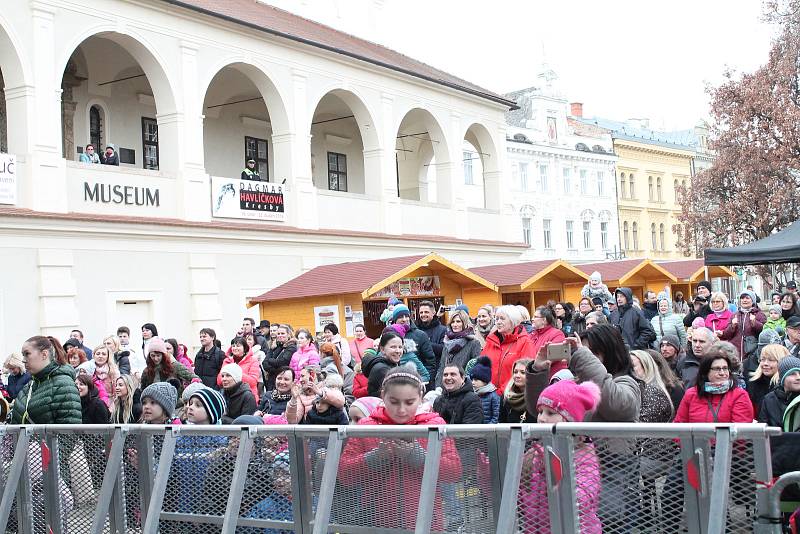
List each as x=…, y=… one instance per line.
x=491, y=404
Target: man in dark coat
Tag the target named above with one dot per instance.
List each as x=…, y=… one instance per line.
x=209, y=358
x=631, y=322
x=429, y=323
x=402, y=315
x=458, y=403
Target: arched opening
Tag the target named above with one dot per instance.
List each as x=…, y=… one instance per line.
x=113, y=83
x=653, y=243
x=422, y=159
x=3, y=115
x=662, y=236
x=626, y=236
x=632, y=186
x=622, y=182
x=342, y=129
x=13, y=108
x=481, y=168
x=242, y=112
x=635, y=231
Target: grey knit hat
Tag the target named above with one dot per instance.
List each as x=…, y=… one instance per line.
x=163, y=394
x=788, y=365
x=768, y=337
x=190, y=390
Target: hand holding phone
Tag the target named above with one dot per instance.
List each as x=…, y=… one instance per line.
x=558, y=351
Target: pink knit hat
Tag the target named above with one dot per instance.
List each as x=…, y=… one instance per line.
x=367, y=405
x=570, y=400
x=698, y=322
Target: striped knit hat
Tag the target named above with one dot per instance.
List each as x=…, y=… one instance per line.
x=213, y=402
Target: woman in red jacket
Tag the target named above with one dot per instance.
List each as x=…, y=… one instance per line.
x=240, y=354
x=506, y=344
x=715, y=398
x=387, y=473
x=545, y=332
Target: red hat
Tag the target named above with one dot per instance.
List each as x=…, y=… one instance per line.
x=570, y=400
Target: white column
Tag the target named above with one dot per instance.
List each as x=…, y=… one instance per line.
x=46, y=186
x=384, y=184
x=301, y=204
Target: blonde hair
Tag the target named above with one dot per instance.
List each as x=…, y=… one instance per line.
x=115, y=340
x=510, y=384
x=113, y=369
x=526, y=315
x=467, y=323
x=776, y=353
x=652, y=375
x=719, y=295
x=122, y=410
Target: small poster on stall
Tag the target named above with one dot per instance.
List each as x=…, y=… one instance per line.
x=418, y=286
x=356, y=317
x=324, y=315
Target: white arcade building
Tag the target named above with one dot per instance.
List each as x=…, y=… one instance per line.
x=363, y=149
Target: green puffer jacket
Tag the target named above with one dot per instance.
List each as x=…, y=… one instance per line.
x=51, y=397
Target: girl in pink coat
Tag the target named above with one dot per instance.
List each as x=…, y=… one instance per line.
x=564, y=401
x=306, y=353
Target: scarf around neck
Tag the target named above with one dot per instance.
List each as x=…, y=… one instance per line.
x=717, y=389
x=515, y=399
x=488, y=388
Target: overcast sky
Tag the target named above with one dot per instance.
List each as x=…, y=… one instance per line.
x=621, y=58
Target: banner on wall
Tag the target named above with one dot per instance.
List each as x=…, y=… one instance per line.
x=8, y=179
x=243, y=199
x=418, y=286
x=324, y=315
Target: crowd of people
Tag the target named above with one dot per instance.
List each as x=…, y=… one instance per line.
x=608, y=359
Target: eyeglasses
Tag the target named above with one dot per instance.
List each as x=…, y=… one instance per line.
x=538, y=317
x=723, y=370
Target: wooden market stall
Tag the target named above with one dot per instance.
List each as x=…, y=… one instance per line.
x=639, y=275
x=357, y=292
x=690, y=272
x=533, y=283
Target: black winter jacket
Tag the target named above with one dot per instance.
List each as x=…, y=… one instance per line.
x=375, y=369
x=460, y=407
x=634, y=326
x=773, y=405
x=93, y=410
x=276, y=358
x=692, y=315
x=435, y=332
x=122, y=359
x=273, y=403
x=208, y=364
x=239, y=400
x=687, y=369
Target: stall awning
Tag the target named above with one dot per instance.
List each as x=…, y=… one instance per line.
x=693, y=270
x=623, y=271
x=781, y=247
x=367, y=277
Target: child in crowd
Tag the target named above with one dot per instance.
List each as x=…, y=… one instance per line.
x=158, y=404
x=363, y=408
x=309, y=392
x=386, y=315
x=564, y=401
x=409, y=358
x=360, y=380
x=327, y=408
x=776, y=320
x=597, y=289
x=481, y=376
x=393, y=467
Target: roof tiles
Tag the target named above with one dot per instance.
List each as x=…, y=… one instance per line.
x=610, y=270
x=512, y=273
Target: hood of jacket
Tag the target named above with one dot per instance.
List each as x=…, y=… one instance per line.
x=626, y=291
x=381, y=417
x=369, y=361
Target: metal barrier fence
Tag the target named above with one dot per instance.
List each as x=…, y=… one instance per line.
x=564, y=478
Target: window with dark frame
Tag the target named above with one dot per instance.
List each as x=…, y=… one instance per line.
x=96, y=129
x=255, y=148
x=150, y=143
x=337, y=172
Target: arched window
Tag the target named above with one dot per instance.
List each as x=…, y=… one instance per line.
x=622, y=185
x=635, y=231
x=96, y=129
x=650, y=188
x=632, y=188
x=653, y=237
x=677, y=193
x=661, y=235
x=625, y=236
x=659, y=195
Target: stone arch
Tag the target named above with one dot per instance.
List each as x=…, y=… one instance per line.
x=15, y=77
x=145, y=53
x=103, y=105
x=364, y=117
x=262, y=79
x=16, y=72
x=423, y=149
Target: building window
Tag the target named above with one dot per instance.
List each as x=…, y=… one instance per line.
x=675, y=187
x=587, y=235
x=622, y=185
x=604, y=235
x=570, y=241
x=625, y=235
x=337, y=172
x=650, y=188
x=583, y=182
x=683, y=184
x=653, y=236
x=468, y=180
x=96, y=129
x=150, y=143
x=256, y=149
x=659, y=195
x=601, y=186
x=523, y=176
x=635, y=232
x=632, y=187
x=526, y=231
x=548, y=242
x=662, y=235
x=567, y=181
x=543, y=178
